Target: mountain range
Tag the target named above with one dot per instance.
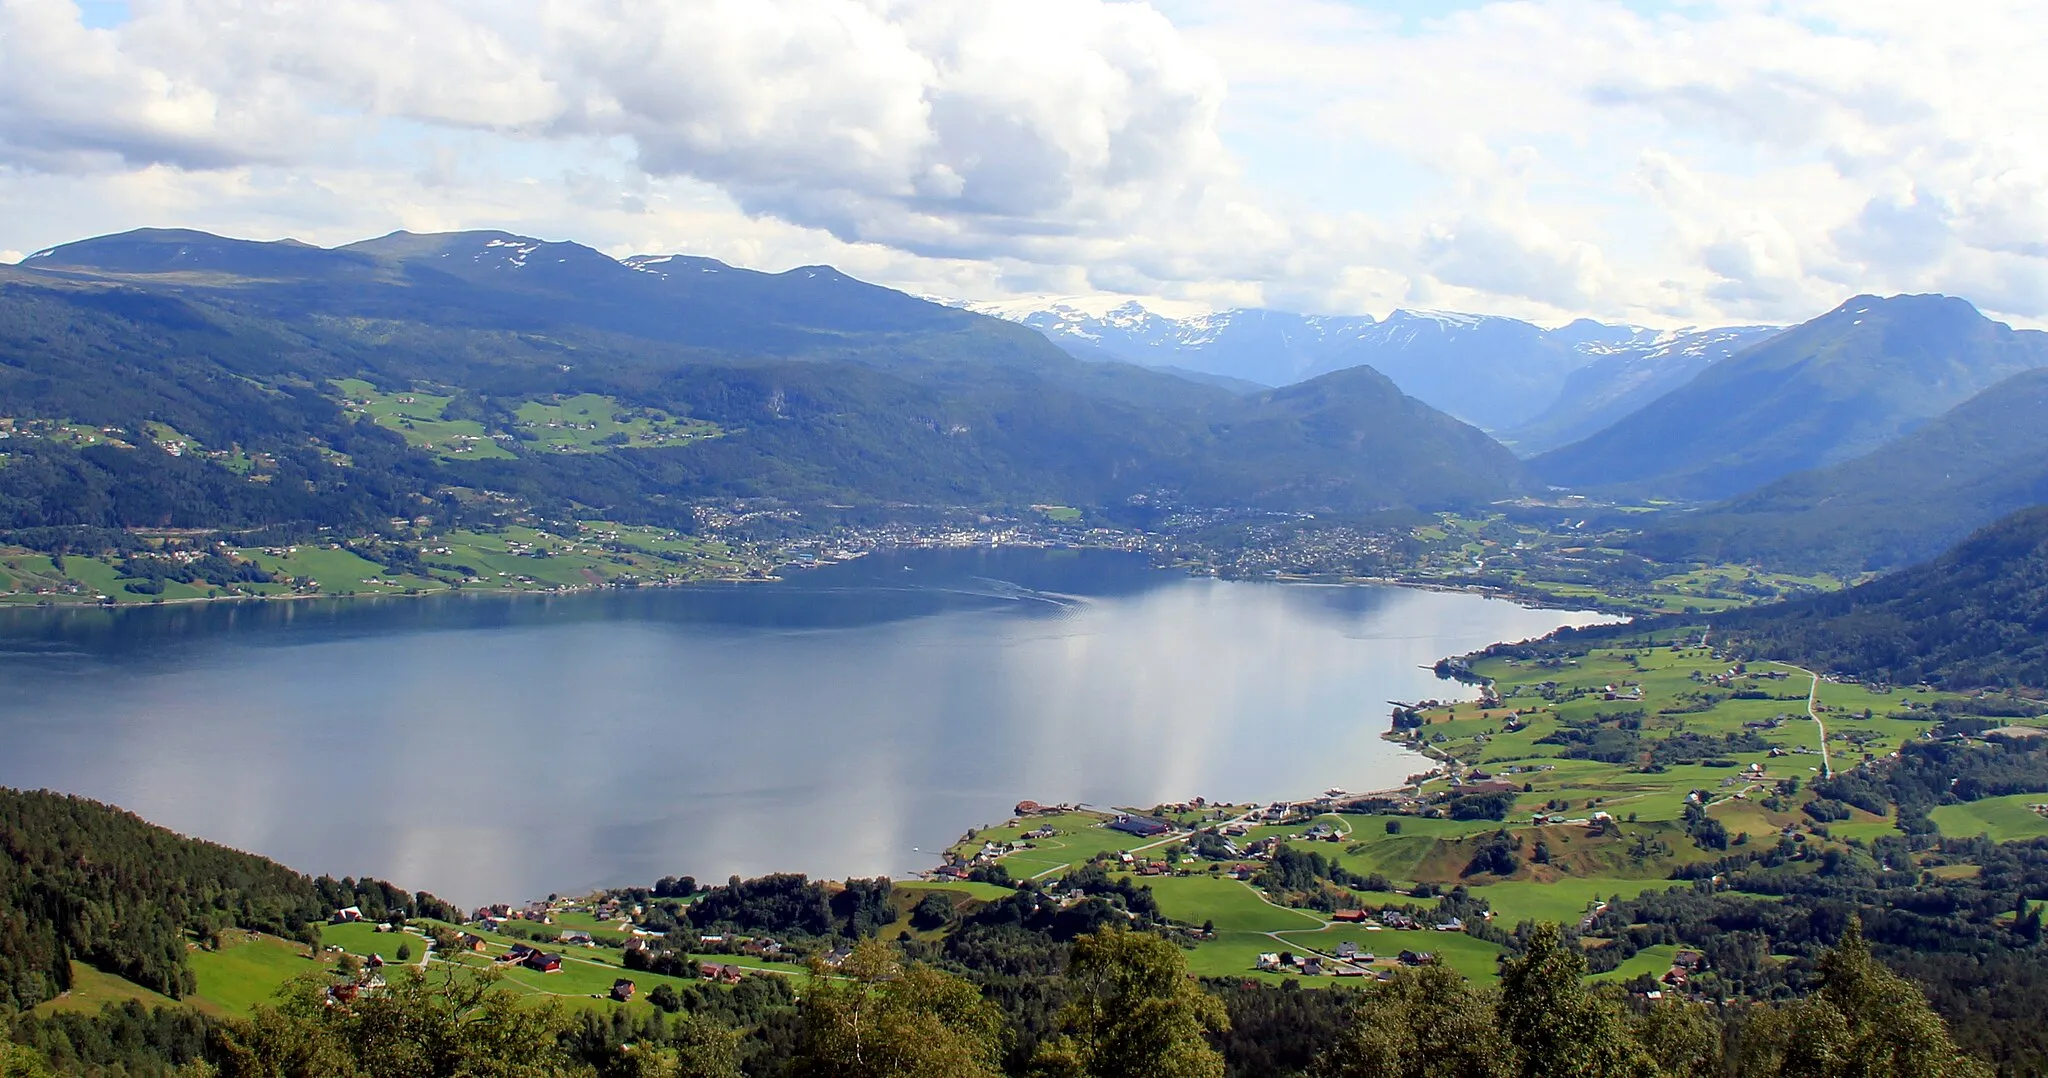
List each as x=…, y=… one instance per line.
x=1534, y=388
x=1820, y=393
x=1902, y=503
x=810, y=386
x=284, y=367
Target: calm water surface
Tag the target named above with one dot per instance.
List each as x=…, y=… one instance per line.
x=839, y=723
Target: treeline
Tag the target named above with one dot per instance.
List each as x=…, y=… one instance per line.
x=82, y=881
x=1121, y=1006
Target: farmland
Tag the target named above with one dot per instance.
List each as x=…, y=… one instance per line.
x=519, y=558
x=1606, y=774
x=2004, y=819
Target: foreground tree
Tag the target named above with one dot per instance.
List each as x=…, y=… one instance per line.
x=1425, y=1023
x=1863, y=1022
x=1683, y=1038
x=453, y=1026
x=874, y=1017
x=1134, y=1013
x=19, y=1061
x=1558, y=1028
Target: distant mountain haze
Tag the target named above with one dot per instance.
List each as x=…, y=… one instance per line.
x=820, y=387
x=1823, y=392
x=1535, y=387
x=1625, y=377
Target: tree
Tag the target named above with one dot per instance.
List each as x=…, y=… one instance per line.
x=874, y=1017
x=416, y=1027
x=20, y=1061
x=702, y=1048
x=1425, y=1023
x=404, y=952
x=1558, y=1029
x=932, y=911
x=1863, y=1022
x=1133, y=1013
x=1683, y=1037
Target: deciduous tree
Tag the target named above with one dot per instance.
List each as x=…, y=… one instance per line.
x=1134, y=1013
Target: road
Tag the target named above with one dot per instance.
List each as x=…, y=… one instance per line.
x=1827, y=771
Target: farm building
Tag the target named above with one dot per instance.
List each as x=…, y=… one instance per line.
x=1141, y=826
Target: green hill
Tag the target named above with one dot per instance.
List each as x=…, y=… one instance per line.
x=1976, y=616
x=86, y=882
x=689, y=380
x=1817, y=394
x=1906, y=502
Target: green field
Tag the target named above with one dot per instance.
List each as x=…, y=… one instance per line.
x=1469, y=955
x=1080, y=837
x=1582, y=830
x=1229, y=903
x=246, y=971
x=1653, y=961
x=2004, y=819
x=362, y=939
x=421, y=419
x=91, y=990
x=588, y=423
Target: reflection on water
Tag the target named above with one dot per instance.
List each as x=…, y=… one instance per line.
x=502, y=749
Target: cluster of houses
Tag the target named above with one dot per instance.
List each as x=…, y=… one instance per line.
x=1348, y=960
x=1372, y=921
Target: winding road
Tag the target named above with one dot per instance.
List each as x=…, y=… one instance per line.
x=1827, y=771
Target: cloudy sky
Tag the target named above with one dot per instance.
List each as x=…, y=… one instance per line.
x=1659, y=161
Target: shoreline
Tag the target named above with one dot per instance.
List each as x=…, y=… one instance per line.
x=783, y=572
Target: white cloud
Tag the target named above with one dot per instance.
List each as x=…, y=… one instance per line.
x=1706, y=161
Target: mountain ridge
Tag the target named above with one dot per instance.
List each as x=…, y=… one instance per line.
x=825, y=389
x=1498, y=373
x=1904, y=502
x=1825, y=391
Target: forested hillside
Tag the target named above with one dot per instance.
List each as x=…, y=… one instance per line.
x=1831, y=389
x=86, y=882
x=1906, y=502
x=175, y=379
x=1976, y=616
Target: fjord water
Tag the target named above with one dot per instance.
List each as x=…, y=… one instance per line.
x=845, y=722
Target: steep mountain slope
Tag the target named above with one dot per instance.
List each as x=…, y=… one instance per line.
x=812, y=387
x=1825, y=391
x=1905, y=502
x=1976, y=616
x=1499, y=373
x=1625, y=376
x=1362, y=443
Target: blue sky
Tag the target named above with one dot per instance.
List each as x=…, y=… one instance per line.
x=1663, y=163
x=103, y=13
